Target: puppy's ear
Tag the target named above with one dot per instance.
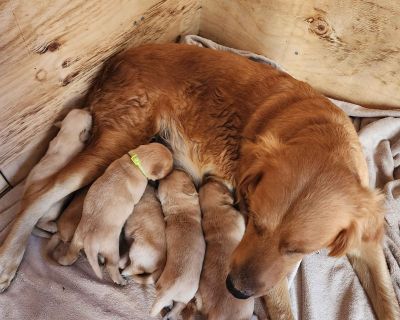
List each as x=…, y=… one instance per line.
x=84, y=135
x=343, y=241
x=157, y=170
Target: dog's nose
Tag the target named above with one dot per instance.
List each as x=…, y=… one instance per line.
x=235, y=292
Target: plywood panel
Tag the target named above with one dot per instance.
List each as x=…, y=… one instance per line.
x=346, y=49
x=51, y=49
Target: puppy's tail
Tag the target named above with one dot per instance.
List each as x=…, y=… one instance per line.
x=92, y=254
x=53, y=243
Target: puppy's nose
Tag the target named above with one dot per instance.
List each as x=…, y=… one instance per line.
x=235, y=292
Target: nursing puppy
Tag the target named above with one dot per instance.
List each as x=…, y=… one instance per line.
x=179, y=280
x=145, y=233
x=68, y=221
x=109, y=202
x=70, y=140
x=223, y=228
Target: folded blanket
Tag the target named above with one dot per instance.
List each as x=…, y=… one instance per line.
x=321, y=287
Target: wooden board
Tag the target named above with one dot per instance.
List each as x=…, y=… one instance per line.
x=347, y=49
x=51, y=49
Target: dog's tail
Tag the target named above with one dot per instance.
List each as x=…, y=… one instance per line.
x=92, y=254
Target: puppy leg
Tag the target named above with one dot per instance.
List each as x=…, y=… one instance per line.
x=175, y=311
x=82, y=170
x=72, y=253
x=277, y=302
x=163, y=300
x=112, y=260
x=370, y=266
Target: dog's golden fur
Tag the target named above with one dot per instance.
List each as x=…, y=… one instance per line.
x=292, y=155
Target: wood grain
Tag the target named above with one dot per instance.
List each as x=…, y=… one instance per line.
x=349, y=50
x=51, y=49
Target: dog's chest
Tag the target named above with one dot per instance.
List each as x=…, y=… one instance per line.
x=189, y=156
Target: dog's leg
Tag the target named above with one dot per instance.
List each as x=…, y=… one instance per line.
x=82, y=170
x=370, y=266
x=277, y=302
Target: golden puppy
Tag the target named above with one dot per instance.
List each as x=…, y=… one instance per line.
x=109, y=202
x=223, y=228
x=70, y=140
x=179, y=280
x=68, y=221
x=145, y=232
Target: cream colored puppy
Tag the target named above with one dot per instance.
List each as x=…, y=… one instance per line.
x=223, y=228
x=109, y=202
x=68, y=221
x=70, y=140
x=179, y=280
x=145, y=233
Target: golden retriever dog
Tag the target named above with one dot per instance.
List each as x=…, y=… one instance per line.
x=109, y=202
x=223, y=228
x=145, y=233
x=293, y=157
x=68, y=221
x=180, y=278
x=70, y=140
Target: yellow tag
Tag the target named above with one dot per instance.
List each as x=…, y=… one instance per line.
x=136, y=161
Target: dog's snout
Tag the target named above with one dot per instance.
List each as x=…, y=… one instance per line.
x=234, y=291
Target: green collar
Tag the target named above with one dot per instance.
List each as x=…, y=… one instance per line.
x=136, y=161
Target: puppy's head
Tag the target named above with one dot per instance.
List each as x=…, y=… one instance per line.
x=296, y=205
x=175, y=187
x=213, y=192
x=155, y=159
x=77, y=121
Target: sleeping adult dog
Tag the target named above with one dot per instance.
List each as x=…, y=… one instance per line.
x=293, y=158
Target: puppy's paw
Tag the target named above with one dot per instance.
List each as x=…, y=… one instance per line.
x=48, y=226
x=7, y=274
x=64, y=260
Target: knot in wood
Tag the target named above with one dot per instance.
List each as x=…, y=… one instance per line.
x=319, y=26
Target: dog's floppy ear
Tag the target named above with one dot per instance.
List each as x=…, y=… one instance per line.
x=368, y=223
x=343, y=241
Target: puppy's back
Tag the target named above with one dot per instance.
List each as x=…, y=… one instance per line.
x=223, y=228
x=184, y=235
